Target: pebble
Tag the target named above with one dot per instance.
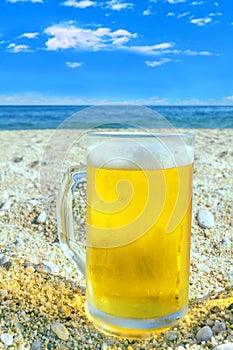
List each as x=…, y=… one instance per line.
x=54, y=268
x=7, y=339
x=228, y=346
x=37, y=345
x=42, y=268
x=60, y=330
x=4, y=237
x=17, y=159
x=205, y=218
x=6, y=205
x=203, y=268
x=3, y=260
x=33, y=202
x=219, y=327
x=171, y=336
x=34, y=164
x=204, y=334
x=226, y=241
x=41, y=218
x=210, y=322
x=7, y=265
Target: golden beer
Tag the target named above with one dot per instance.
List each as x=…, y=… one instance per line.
x=142, y=270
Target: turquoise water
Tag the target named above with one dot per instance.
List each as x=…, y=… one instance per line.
x=50, y=117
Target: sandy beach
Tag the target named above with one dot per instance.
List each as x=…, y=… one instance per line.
x=42, y=294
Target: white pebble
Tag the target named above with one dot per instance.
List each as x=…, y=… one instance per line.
x=171, y=336
x=205, y=218
x=4, y=237
x=54, y=268
x=60, y=330
x=203, y=268
x=6, y=205
x=7, y=339
x=228, y=346
x=41, y=218
x=33, y=202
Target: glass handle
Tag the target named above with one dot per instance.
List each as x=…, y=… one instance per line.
x=69, y=243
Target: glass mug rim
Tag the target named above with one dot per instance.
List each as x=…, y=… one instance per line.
x=137, y=134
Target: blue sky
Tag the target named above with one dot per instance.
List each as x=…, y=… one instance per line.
x=91, y=51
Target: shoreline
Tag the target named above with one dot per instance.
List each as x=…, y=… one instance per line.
x=44, y=287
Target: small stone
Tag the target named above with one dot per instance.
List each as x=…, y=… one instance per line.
x=204, y=334
x=216, y=309
x=226, y=241
x=60, y=330
x=33, y=202
x=6, y=205
x=104, y=346
x=4, y=236
x=228, y=346
x=171, y=336
x=54, y=268
x=3, y=260
x=210, y=322
x=34, y=164
x=19, y=240
x=7, y=265
x=204, y=268
x=205, y=218
x=41, y=218
x=17, y=159
x=7, y=339
x=219, y=327
x=42, y=268
x=37, y=345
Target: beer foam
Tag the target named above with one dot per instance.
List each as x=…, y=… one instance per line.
x=139, y=152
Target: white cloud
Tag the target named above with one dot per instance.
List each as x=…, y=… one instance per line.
x=216, y=4
x=197, y=3
x=74, y=64
x=13, y=1
x=175, y=1
x=79, y=4
x=170, y=14
x=189, y=52
x=228, y=99
x=213, y=14
x=184, y=14
x=149, y=49
x=29, y=35
x=197, y=53
x=157, y=63
x=36, y=99
x=67, y=35
x=147, y=12
x=118, y=5
x=201, y=21
x=17, y=48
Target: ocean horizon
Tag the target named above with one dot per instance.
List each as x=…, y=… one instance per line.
x=29, y=117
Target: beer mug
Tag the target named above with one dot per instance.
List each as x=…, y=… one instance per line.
x=138, y=225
